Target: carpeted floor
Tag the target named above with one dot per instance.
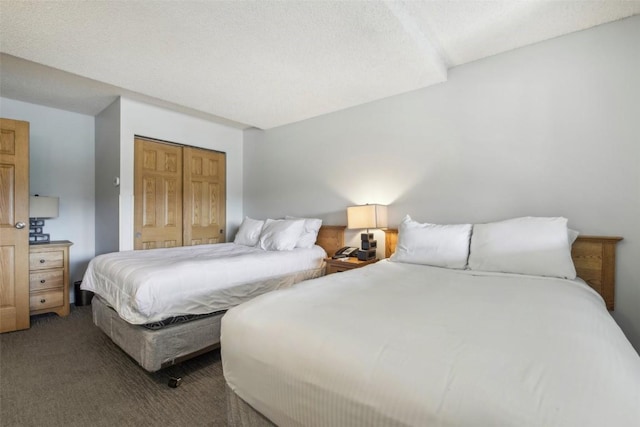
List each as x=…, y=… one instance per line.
x=66, y=372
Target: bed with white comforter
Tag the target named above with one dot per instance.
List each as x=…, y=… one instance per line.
x=163, y=306
x=152, y=285
x=405, y=344
x=465, y=325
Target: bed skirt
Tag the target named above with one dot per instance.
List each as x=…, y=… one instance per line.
x=157, y=349
x=241, y=414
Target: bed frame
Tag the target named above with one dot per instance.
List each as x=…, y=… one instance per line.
x=593, y=256
x=158, y=349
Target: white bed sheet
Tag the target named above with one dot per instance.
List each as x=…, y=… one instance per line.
x=403, y=344
x=152, y=285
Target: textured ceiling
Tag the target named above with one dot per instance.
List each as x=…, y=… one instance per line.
x=262, y=63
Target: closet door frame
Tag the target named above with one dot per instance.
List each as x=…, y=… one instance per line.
x=199, y=195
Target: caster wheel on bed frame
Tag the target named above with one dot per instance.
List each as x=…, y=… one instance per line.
x=175, y=382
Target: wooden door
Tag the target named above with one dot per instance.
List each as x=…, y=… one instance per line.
x=14, y=225
x=204, y=196
x=158, y=195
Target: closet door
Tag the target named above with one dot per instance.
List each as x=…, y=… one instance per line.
x=204, y=196
x=14, y=225
x=158, y=195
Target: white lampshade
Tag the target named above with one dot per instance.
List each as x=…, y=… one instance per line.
x=43, y=207
x=367, y=216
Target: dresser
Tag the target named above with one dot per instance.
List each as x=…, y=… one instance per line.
x=49, y=278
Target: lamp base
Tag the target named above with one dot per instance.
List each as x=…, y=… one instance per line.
x=35, y=239
x=35, y=232
x=366, y=236
x=366, y=255
x=369, y=244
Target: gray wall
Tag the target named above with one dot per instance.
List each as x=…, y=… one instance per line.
x=551, y=129
x=107, y=169
x=61, y=162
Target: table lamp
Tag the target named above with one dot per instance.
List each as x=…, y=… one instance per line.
x=367, y=217
x=41, y=208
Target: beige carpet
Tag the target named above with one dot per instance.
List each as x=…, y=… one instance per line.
x=66, y=372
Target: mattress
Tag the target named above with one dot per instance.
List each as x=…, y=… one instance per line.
x=152, y=285
x=403, y=344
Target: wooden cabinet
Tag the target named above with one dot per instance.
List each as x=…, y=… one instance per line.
x=49, y=278
x=343, y=264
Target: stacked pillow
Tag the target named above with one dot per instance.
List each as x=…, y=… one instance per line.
x=529, y=245
x=310, y=232
x=432, y=244
x=278, y=234
x=249, y=232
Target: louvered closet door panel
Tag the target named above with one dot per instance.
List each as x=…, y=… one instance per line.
x=204, y=196
x=158, y=195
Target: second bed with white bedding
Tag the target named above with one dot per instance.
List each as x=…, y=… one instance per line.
x=404, y=344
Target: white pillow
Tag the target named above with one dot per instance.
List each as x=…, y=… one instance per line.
x=528, y=245
x=310, y=232
x=432, y=244
x=281, y=234
x=249, y=232
x=573, y=235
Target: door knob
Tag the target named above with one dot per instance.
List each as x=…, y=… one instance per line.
x=20, y=225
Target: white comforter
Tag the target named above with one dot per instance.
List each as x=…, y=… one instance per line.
x=152, y=285
x=402, y=344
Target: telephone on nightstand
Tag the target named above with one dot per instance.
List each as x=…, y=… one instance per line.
x=345, y=252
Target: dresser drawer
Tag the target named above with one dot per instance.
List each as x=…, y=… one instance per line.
x=46, y=279
x=46, y=260
x=47, y=299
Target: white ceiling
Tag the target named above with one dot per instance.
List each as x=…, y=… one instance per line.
x=263, y=63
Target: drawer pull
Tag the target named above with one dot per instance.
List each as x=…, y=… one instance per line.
x=42, y=281
x=42, y=301
x=42, y=261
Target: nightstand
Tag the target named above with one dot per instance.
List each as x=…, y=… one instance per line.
x=343, y=264
x=49, y=278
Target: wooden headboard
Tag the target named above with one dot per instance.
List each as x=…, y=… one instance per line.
x=331, y=238
x=595, y=261
x=593, y=256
